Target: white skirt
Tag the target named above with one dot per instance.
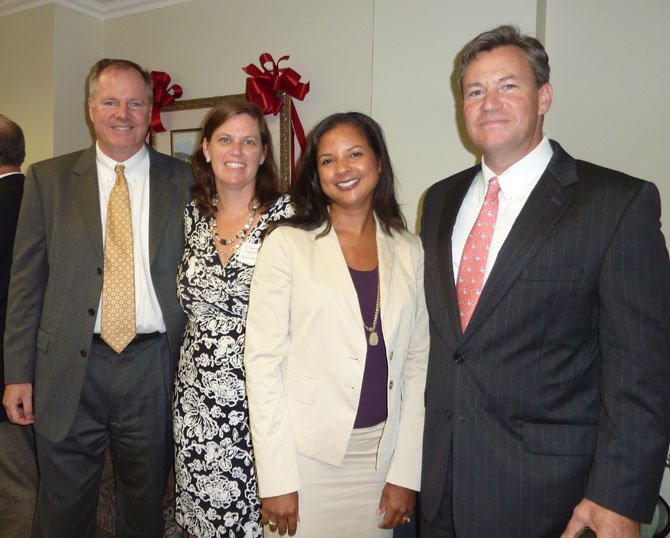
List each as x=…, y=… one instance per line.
x=342, y=502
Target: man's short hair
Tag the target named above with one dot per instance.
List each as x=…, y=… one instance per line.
x=12, y=143
x=121, y=65
x=503, y=36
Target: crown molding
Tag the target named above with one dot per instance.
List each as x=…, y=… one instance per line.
x=99, y=9
x=9, y=7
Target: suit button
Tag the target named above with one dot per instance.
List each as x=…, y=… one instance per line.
x=459, y=358
x=391, y=384
x=83, y=353
x=391, y=356
x=99, y=270
x=448, y=415
x=91, y=312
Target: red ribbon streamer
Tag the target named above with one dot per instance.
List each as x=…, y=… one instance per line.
x=163, y=96
x=263, y=87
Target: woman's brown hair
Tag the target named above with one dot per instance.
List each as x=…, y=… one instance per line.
x=267, y=178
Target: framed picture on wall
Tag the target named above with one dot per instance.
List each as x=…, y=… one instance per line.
x=183, y=123
x=183, y=143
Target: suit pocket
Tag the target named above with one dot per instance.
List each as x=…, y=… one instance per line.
x=559, y=439
x=42, y=342
x=299, y=388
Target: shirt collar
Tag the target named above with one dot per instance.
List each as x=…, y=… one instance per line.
x=522, y=176
x=130, y=164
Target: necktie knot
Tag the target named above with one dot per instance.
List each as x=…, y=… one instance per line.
x=493, y=189
x=119, y=170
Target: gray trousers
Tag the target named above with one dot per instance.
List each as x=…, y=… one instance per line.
x=18, y=480
x=125, y=403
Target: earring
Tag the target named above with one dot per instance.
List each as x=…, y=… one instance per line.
x=262, y=161
x=207, y=159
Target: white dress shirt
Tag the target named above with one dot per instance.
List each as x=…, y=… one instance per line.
x=516, y=184
x=148, y=315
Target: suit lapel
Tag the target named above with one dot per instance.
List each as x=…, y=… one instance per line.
x=543, y=209
x=452, y=204
x=330, y=248
x=84, y=186
x=161, y=198
x=386, y=256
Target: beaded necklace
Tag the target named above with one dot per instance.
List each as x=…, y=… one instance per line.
x=239, y=237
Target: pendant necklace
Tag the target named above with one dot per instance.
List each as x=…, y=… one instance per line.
x=373, y=336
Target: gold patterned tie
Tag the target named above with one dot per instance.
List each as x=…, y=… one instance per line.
x=118, y=287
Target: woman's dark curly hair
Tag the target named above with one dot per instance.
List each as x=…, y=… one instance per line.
x=267, y=178
x=311, y=204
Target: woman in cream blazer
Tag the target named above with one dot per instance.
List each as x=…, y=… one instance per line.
x=307, y=343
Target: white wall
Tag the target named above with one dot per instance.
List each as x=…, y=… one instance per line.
x=78, y=44
x=611, y=70
x=27, y=89
x=413, y=96
x=204, y=44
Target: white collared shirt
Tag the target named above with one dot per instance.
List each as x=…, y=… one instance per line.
x=148, y=315
x=516, y=184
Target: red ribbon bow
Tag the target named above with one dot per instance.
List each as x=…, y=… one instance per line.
x=163, y=96
x=263, y=87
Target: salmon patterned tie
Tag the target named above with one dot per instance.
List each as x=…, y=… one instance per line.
x=118, y=287
x=472, y=268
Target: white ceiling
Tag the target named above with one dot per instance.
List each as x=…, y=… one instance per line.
x=100, y=9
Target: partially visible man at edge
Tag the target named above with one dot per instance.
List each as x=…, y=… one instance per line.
x=547, y=401
x=91, y=383
x=18, y=468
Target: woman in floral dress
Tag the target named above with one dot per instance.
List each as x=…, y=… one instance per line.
x=236, y=196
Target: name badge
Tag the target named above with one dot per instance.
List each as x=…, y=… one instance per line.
x=248, y=253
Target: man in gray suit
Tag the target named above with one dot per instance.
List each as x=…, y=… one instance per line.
x=548, y=290
x=18, y=468
x=60, y=373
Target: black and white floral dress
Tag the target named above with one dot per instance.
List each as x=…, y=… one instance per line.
x=216, y=493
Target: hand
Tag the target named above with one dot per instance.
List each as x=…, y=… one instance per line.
x=397, y=504
x=604, y=522
x=18, y=402
x=280, y=513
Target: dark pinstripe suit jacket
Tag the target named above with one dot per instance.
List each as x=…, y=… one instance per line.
x=560, y=386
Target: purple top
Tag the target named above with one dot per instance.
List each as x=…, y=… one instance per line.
x=372, y=407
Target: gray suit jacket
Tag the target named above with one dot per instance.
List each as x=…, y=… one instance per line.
x=56, y=277
x=559, y=388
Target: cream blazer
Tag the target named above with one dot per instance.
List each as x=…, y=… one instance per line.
x=306, y=349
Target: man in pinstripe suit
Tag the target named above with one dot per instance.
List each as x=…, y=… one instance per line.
x=550, y=410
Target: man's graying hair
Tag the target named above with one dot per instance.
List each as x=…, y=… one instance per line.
x=121, y=65
x=503, y=36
